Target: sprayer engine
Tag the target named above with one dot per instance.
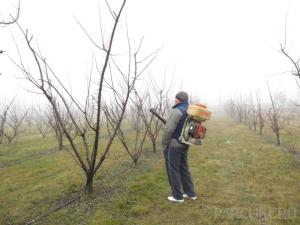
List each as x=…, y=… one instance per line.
x=193, y=131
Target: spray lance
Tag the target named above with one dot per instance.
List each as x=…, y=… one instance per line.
x=155, y=113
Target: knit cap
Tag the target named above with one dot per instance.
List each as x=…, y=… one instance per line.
x=182, y=96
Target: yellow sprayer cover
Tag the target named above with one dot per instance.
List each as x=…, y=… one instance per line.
x=200, y=111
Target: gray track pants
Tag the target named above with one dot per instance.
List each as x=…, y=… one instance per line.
x=177, y=168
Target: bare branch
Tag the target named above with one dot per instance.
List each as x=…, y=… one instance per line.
x=14, y=18
x=89, y=36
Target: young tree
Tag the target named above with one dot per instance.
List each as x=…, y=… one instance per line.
x=274, y=114
x=14, y=124
x=159, y=100
x=3, y=119
x=137, y=129
x=253, y=113
x=230, y=108
x=54, y=122
x=85, y=152
x=29, y=120
x=40, y=121
x=137, y=65
x=239, y=109
x=261, y=120
x=294, y=61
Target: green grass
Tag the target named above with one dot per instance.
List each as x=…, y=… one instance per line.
x=289, y=139
x=239, y=177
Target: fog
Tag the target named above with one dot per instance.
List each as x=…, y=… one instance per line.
x=212, y=49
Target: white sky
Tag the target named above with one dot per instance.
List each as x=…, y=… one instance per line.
x=212, y=48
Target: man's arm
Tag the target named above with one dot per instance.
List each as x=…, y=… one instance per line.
x=170, y=126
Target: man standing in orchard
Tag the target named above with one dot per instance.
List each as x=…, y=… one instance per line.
x=176, y=153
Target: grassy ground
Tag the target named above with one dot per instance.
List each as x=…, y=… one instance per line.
x=239, y=178
x=289, y=140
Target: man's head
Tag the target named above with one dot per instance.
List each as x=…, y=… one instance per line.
x=181, y=97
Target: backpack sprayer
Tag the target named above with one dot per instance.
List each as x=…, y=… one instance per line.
x=193, y=131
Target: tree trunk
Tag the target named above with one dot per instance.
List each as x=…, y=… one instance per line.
x=60, y=145
x=254, y=125
x=135, y=161
x=153, y=144
x=277, y=138
x=89, y=184
x=261, y=126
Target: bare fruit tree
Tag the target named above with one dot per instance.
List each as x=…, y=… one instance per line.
x=230, y=108
x=54, y=123
x=253, y=113
x=161, y=103
x=290, y=122
x=295, y=63
x=84, y=137
x=275, y=113
x=29, y=121
x=238, y=108
x=40, y=121
x=3, y=119
x=293, y=60
x=137, y=65
x=15, y=120
x=134, y=132
x=247, y=111
x=261, y=120
x=256, y=118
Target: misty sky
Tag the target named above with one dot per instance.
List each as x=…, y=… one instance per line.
x=213, y=49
